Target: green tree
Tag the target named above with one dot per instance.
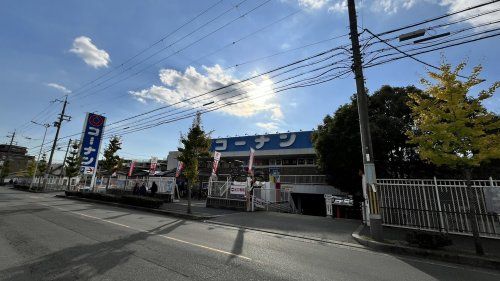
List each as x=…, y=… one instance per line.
x=338, y=145
x=194, y=146
x=30, y=168
x=5, y=170
x=453, y=128
x=42, y=165
x=73, y=161
x=112, y=162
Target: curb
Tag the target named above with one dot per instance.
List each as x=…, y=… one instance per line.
x=315, y=239
x=155, y=211
x=425, y=253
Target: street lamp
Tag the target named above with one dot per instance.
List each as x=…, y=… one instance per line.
x=39, y=153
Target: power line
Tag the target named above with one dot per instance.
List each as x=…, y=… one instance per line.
x=435, y=49
x=172, y=54
x=152, y=45
x=437, y=18
x=406, y=54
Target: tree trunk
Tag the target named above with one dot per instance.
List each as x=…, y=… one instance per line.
x=69, y=183
x=189, y=198
x=107, y=184
x=472, y=212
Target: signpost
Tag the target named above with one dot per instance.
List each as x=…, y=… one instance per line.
x=93, y=130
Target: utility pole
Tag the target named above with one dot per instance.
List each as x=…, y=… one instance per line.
x=46, y=126
x=6, y=162
x=64, y=160
x=57, y=124
x=364, y=126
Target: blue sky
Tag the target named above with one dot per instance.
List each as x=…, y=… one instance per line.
x=52, y=48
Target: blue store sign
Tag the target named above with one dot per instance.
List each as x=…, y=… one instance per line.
x=294, y=140
x=91, y=142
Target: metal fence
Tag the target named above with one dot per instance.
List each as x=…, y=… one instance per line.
x=441, y=205
x=271, y=199
x=303, y=179
x=53, y=183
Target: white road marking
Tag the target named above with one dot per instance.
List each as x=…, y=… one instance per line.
x=160, y=235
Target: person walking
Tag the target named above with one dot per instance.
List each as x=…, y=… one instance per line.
x=143, y=190
x=135, y=191
x=154, y=189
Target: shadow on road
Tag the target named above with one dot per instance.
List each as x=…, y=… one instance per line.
x=237, y=245
x=82, y=262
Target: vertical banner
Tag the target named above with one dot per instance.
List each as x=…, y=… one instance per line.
x=93, y=130
x=180, y=166
x=250, y=161
x=153, y=165
x=131, y=170
x=216, y=162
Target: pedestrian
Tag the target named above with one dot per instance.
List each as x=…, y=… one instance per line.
x=135, y=191
x=142, y=190
x=154, y=189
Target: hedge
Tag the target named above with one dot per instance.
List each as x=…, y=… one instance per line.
x=140, y=201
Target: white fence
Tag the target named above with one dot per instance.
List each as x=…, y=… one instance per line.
x=53, y=183
x=165, y=184
x=441, y=205
x=271, y=199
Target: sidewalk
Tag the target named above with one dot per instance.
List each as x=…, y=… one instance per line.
x=308, y=227
x=462, y=251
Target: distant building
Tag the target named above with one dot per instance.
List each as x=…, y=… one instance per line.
x=18, y=158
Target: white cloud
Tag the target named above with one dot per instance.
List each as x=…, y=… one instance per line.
x=285, y=46
x=91, y=55
x=456, y=5
x=59, y=87
x=338, y=7
x=178, y=86
x=268, y=126
x=313, y=4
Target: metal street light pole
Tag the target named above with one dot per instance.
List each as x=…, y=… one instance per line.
x=40, y=152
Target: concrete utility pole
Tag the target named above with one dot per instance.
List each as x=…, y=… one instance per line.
x=57, y=124
x=40, y=152
x=6, y=161
x=64, y=160
x=366, y=142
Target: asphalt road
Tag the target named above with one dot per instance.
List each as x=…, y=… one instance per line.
x=47, y=238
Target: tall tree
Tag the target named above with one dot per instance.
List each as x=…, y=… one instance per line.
x=112, y=162
x=5, y=170
x=338, y=147
x=42, y=165
x=453, y=128
x=73, y=161
x=30, y=168
x=194, y=146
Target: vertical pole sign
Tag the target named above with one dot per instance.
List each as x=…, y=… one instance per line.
x=153, y=165
x=131, y=170
x=93, y=130
x=180, y=166
x=216, y=162
x=250, y=161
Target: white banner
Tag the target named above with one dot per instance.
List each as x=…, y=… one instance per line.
x=238, y=189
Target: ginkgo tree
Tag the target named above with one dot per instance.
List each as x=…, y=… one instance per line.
x=452, y=126
x=194, y=146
